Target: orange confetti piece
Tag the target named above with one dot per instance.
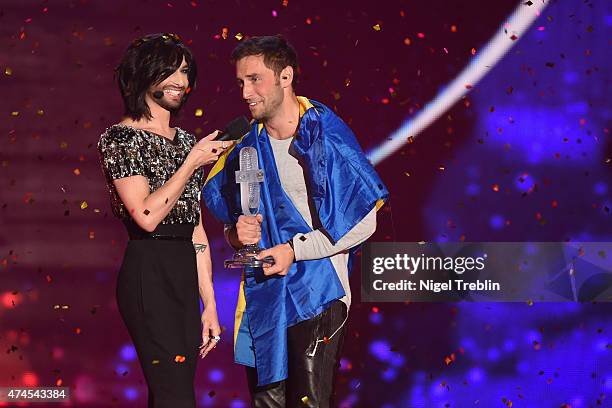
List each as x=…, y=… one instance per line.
x=179, y=358
x=77, y=172
x=473, y=51
x=77, y=330
x=8, y=71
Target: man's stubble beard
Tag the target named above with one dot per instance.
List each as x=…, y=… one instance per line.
x=270, y=112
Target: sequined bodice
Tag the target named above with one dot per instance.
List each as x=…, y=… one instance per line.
x=126, y=151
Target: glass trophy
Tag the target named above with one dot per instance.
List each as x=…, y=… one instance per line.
x=249, y=176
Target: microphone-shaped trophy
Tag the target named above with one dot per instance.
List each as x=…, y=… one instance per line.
x=249, y=176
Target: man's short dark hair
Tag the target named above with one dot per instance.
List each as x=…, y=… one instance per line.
x=148, y=61
x=276, y=50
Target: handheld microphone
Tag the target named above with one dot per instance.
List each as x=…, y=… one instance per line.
x=235, y=129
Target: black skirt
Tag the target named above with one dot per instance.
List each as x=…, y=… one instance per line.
x=157, y=295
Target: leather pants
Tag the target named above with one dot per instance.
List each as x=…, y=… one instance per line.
x=312, y=364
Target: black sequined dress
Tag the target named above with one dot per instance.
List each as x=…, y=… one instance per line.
x=157, y=285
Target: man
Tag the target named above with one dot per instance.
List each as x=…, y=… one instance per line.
x=318, y=200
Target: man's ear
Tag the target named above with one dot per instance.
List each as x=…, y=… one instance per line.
x=286, y=76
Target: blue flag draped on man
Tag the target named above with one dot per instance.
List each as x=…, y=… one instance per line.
x=344, y=187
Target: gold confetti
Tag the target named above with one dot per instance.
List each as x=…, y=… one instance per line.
x=376, y=27
x=8, y=71
x=83, y=205
x=40, y=112
x=155, y=362
x=238, y=36
x=15, y=113
x=199, y=112
x=305, y=400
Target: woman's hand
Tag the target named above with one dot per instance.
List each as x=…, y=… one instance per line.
x=207, y=150
x=210, y=330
